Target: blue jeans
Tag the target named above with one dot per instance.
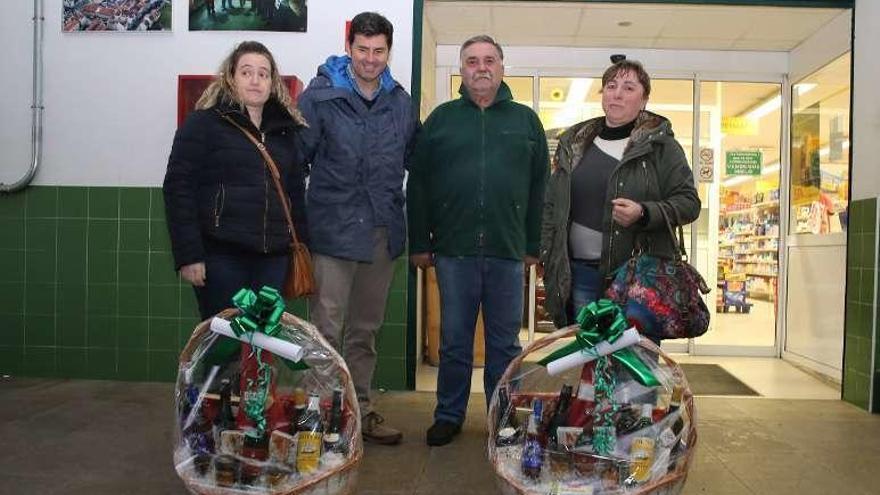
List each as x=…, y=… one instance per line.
x=465, y=282
x=586, y=284
x=225, y=274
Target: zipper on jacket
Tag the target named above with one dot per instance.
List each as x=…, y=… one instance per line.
x=219, y=200
x=266, y=196
x=481, y=238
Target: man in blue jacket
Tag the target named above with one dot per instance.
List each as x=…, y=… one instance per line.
x=361, y=122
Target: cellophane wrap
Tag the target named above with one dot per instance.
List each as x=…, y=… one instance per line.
x=212, y=452
x=643, y=456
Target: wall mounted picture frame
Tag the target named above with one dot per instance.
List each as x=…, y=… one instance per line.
x=191, y=87
x=116, y=15
x=248, y=15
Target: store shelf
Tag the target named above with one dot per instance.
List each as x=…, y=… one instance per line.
x=767, y=275
x=757, y=206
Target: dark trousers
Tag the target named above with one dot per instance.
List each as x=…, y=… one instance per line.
x=226, y=274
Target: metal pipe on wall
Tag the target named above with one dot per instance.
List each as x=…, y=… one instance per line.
x=36, y=105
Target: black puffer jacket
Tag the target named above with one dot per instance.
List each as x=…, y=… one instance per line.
x=219, y=195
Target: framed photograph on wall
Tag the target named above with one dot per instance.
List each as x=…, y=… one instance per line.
x=116, y=15
x=248, y=15
x=191, y=87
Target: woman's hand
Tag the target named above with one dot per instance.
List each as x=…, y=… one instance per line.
x=194, y=273
x=626, y=212
x=421, y=260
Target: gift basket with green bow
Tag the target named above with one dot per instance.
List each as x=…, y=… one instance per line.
x=263, y=404
x=592, y=409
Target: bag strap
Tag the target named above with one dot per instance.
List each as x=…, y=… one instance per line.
x=682, y=252
x=276, y=176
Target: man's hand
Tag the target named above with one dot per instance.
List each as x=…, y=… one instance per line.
x=421, y=260
x=530, y=260
x=626, y=212
x=194, y=273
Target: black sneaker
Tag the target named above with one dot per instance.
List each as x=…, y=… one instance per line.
x=442, y=432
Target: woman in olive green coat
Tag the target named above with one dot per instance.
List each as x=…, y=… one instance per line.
x=610, y=177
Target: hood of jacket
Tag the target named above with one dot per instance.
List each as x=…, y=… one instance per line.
x=275, y=115
x=333, y=77
x=648, y=127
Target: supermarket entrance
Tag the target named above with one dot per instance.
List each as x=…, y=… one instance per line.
x=764, y=126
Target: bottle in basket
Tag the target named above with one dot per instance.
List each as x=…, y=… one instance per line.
x=581, y=410
x=225, y=419
x=560, y=417
x=309, y=437
x=200, y=438
x=642, y=454
x=300, y=400
x=255, y=452
x=332, y=437
x=533, y=452
x=507, y=434
x=678, y=426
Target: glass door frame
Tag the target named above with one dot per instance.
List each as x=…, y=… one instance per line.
x=693, y=347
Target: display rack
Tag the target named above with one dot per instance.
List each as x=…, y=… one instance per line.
x=749, y=244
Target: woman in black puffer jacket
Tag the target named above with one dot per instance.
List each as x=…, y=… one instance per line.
x=227, y=224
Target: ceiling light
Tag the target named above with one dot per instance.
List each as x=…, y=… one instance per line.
x=774, y=103
x=570, y=112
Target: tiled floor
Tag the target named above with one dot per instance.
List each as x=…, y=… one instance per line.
x=96, y=438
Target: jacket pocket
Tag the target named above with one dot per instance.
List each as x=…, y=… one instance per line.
x=219, y=201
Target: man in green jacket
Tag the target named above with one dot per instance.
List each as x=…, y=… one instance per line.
x=474, y=201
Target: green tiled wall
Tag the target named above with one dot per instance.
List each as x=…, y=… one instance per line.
x=88, y=290
x=861, y=303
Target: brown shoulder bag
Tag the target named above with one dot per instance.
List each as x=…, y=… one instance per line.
x=300, y=280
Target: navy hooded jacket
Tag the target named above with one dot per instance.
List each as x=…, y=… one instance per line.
x=358, y=157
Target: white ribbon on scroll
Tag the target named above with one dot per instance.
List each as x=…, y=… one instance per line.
x=274, y=345
x=629, y=337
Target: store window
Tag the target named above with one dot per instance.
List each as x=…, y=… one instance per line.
x=820, y=149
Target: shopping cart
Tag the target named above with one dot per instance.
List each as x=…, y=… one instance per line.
x=733, y=294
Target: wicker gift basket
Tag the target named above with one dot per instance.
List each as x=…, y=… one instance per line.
x=631, y=430
x=264, y=405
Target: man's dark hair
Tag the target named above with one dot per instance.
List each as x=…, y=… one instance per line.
x=371, y=24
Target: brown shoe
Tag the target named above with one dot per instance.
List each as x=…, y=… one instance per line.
x=374, y=431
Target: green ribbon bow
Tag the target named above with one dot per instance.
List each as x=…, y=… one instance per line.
x=259, y=312
x=604, y=320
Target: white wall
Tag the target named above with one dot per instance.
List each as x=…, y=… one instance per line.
x=111, y=98
x=866, y=112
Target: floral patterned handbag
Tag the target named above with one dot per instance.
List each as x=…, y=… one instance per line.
x=662, y=297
